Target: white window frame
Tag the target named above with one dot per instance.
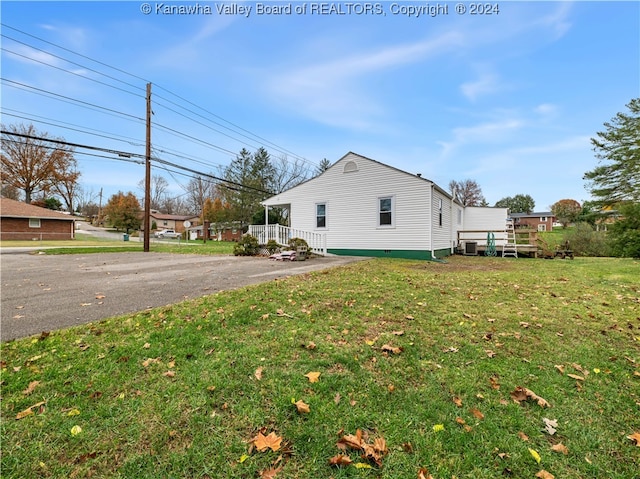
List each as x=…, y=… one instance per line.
x=321, y=203
x=542, y=227
x=35, y=223
x=391, y=211
x=440, y=212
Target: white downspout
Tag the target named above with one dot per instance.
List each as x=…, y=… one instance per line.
x=433, y=251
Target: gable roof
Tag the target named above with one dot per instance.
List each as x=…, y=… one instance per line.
x=18, y=209
x=531, y=215
x=419, y=176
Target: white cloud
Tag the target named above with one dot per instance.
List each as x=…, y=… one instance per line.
x=335, y=92
x=486, y=84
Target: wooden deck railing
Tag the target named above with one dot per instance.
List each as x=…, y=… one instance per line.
x=282, y=234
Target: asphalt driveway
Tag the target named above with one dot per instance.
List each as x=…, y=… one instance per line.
x=44, y=293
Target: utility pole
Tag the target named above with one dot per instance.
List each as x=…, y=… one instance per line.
x=147, y=176
x=99, y=209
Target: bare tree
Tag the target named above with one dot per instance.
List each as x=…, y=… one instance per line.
x=198, y=190
x=158, y=191
x=288, y=174
x=467, y=192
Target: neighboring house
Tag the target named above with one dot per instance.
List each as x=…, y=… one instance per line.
x=22, y=221
x=363, y=207
x=173, y=222
x=217, y=233
x=536, y=221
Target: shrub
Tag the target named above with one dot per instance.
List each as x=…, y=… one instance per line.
x=584, y=240
x=624, y=234
x=247, y=246
x=295, y=243
x=272, y=246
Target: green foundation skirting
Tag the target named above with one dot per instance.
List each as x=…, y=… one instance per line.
x=391, y=253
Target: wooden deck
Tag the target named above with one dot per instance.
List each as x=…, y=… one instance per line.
x=526, y=241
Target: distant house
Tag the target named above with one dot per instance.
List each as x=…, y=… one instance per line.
x=362, y=207
x=174, y=222
x=217, y=232
x=536, y=221
x=22, y=221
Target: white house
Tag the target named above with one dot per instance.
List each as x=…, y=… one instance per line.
x=362, y=207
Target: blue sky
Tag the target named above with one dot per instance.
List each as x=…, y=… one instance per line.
x=510, y=99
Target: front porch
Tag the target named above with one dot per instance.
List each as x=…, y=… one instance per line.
x=282, y=234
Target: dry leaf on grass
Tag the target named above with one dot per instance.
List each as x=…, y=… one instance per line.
x=313, y=376
x=544, y=475
x=386, y=348
x=29, y=410
x=560, y=448
x=550, y=425
x=258, y=373
x=521, y=394
x=340, y=460
x=270, y=473
x=30, y=388
x=423, y=473
x=303, y=407
x=271, y=441
x=476, y=413
x=457, y=401
x=635, y=437
x=523, y=436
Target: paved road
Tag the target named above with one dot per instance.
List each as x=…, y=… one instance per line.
x=44, y=293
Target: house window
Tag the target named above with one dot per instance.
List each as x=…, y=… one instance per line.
x=543, y=219
x=34, y=222
x=350, y=167
x=459, y=217
x=542, y=227
x=440, y=211
x=385, y=211
x=321, y=215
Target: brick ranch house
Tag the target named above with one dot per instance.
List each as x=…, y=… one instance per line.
x=542, y=221
x=21, y=221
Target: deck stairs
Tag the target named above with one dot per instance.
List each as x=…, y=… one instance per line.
x=510, y=247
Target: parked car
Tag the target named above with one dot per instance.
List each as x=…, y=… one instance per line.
x=167, y=234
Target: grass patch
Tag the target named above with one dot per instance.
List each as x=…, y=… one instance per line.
x=173, y=392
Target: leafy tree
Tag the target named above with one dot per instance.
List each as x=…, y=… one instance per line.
x=517, y=203
x=249, y=178
x=624, y=233
x=566, y=211
x=467, y=192
x=32, y=164
x=124, y=211
x=617, y=178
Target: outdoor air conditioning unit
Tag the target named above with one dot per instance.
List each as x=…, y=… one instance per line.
x=471, y=248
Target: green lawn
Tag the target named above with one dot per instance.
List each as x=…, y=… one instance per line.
x=423, y=355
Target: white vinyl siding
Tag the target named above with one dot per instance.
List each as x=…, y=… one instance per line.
x=354, y=208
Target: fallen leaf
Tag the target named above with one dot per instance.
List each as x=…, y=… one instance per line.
x=243, y=458
x=30, y=388
x=258, y=374
x=337, y=398
x=494, y=382
x=340, y=460
x=146, y=346
x=490, y=353
x=544, y=475
x=476, y=413
x=29, y=410
x=560, y=368
x=550, y=425
x=169, y=374
x=270, y=473
x=535, y=455
x=438, y=427
x=460, y=421
x=271, y=441
x=74, y=412
x=635, y=437
x=457, y=401
x=313, y=376
x=521, y=394
x=75, y=430
x=523, y=436
x=423, y=473
x=311, y=345
x=302, y=407
x=560, y=448
x=362, y=465
x=576, y=377
x=391, y=349
x=397, y=333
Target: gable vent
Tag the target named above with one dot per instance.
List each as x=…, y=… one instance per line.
x=350, y=166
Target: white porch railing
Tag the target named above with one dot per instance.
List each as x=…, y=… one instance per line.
x=282, y=234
